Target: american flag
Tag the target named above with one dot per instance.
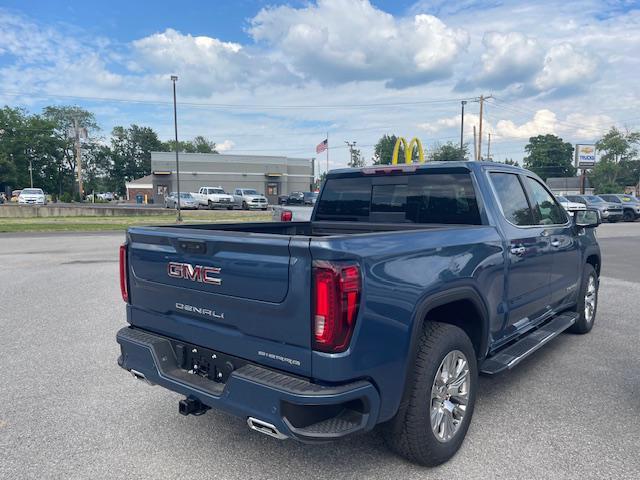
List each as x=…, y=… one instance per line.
x=322, y=146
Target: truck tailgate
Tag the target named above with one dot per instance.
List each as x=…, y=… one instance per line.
x=238, y=293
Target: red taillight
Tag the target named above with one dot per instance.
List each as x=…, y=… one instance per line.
x=286, y=215
x=336, y=302
x=124, y=288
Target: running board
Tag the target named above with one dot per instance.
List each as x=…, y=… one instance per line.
x=515, y=353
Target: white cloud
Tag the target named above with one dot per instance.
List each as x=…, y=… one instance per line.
x=508, y=58
x=349, y=40
x=544, y=121
x=565, y=66
x=225, y=146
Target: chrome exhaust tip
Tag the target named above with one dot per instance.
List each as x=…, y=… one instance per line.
x=140, y=376
x=265, y=428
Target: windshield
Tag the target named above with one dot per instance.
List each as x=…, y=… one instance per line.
x=250, y=192
x=562, y=199
x=185, y=195
x=33, y=191
x=629, y=198
x=593, y=199
x=216, y=190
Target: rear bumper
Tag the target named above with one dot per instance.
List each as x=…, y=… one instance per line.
x=299, y=409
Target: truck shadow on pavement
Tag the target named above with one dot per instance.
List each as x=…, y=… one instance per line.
x=364, y=455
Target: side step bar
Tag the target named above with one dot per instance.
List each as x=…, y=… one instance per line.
x=515, y=353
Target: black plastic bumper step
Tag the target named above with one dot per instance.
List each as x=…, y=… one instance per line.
x=514, y=354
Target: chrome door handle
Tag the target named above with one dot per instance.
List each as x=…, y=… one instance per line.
x=519, y=251
x=555, y=243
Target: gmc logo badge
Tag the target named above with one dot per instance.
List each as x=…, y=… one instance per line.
x=195, y=273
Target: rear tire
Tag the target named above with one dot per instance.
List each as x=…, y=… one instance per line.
x=587, y=306
x=432, y=406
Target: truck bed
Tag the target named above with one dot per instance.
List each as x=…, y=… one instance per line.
x=307, y=229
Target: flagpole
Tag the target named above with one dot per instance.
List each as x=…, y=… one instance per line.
x=327, y=153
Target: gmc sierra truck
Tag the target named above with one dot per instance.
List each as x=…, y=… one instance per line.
x=406, y=284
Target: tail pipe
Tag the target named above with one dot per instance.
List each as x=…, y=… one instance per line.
x=265, y=427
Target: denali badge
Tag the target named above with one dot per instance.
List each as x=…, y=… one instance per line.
x=200, y=310
x=195, y=273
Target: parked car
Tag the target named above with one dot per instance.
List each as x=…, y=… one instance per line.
x=282, y=199
x=14, y=195
x=570, y=206
x=407, y=282
x=186, y=201
x=32, y=196
x=608, y=211
x=630, y=205
x=214, y=197
x=310, y=198
x=106, y=196
x=250, y=199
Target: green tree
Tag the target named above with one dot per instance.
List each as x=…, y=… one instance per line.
x=199, y=144
x=618, y=146
x=618, y=165
x=131, y=153
x=549, y=156
x=28, y=141
x=66, y=118
x=449, y=152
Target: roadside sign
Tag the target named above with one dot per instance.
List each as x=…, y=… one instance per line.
x=585, y=156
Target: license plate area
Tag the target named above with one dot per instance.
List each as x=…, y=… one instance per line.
x=205, y=363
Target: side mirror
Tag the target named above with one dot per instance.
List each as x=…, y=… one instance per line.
x=589, y=218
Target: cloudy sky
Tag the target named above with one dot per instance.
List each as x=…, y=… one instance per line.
x=270, y=77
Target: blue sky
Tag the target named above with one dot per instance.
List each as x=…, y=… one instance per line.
x=271, y=77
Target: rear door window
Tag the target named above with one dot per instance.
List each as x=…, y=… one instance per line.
x=419, y=198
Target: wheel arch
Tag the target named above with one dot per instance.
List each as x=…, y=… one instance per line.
x=594, y=260
x=438, y=307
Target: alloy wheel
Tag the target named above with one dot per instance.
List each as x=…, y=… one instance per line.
x=450, y=395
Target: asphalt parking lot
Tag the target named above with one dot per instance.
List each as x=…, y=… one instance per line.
x=68, y=411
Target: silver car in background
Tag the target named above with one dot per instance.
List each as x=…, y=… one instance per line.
x=32, y=196
x=187, y=201
x=250, y=199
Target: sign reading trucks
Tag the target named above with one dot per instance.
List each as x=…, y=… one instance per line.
x=585, y=156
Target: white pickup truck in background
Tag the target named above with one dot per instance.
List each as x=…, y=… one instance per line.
x=214, y=197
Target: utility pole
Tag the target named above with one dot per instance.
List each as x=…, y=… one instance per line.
x=351, y=146
x=481, y=100
x=31, y=170
x=174, y=79
x=489, y=149
x=475, y=143
x=76, y=129
x=463, y=103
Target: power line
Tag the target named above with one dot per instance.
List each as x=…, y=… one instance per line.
x=231, y=105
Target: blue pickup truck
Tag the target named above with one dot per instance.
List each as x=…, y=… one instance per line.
x=406, y=284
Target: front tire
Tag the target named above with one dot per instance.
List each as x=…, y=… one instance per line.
x=587, y=301
x=431, y=427
x=245, y=206
x=628, y=216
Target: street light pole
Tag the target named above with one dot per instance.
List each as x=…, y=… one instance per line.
x=463, y=102
x=31, y=170
x=174, y=79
